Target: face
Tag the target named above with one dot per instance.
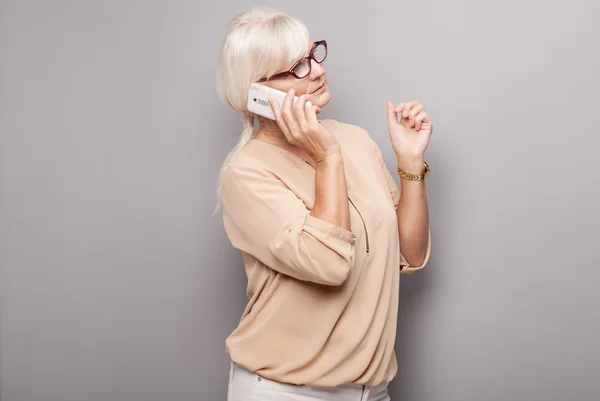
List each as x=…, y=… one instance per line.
x=315, y=83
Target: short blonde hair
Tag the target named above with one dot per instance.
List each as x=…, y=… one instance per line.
x=259, y=43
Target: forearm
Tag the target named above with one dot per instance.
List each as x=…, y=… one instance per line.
x=331, y=191
x=412, y=213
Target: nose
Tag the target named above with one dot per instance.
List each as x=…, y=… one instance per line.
x=316, y=70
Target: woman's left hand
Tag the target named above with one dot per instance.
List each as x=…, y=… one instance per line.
x=409, y=136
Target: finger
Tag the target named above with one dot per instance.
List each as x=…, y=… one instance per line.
x=311, y=115
x=416, y=109
x=407, y=107
x=398, y=108
x=392, y=117
x=412, y=113
x=300, y=113
x=279, y=118
x=419, y=118
x=276, y=111
x=425, y=118
x=286, y=112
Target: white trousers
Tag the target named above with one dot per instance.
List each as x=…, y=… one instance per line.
x=247, y=386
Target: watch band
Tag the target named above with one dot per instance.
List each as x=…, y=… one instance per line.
x=414, y=177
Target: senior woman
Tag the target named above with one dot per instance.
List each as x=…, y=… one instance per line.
x=324, y=230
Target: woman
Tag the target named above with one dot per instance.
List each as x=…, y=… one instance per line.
x=320, y=222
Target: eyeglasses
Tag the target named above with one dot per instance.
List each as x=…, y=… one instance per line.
x=303, y=67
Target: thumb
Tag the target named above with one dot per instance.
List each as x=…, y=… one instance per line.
x=391, y=114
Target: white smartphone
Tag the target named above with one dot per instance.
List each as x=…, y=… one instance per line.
x=258, y=100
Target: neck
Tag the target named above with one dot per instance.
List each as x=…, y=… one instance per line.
x=270, y=132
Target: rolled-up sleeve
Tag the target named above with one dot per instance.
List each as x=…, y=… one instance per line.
x=405, y=268
x=265, y=219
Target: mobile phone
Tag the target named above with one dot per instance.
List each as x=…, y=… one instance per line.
x=258, y=100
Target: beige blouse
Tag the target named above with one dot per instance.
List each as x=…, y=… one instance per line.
x=323, y=301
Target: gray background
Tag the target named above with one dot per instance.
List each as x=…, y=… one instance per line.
x=117, y=283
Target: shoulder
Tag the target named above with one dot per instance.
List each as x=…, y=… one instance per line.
x=346, y=130
x=353, y=138
x=242, y=166
x=259, y=166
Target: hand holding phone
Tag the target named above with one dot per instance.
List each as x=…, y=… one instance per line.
x=301, y=128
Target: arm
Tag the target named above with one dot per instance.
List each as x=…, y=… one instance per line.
x=331, y=191
x=302, y=129
x=413, y=215
x=316, y=246
x=265, y=219
x=410, y=136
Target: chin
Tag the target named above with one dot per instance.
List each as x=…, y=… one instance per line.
x=322, y=98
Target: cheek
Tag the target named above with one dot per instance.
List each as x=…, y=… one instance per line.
x=300, y=87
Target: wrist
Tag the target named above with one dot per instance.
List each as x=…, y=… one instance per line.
x=412, y=164
x=331, y=155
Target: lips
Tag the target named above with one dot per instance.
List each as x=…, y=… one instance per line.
x=319, y=88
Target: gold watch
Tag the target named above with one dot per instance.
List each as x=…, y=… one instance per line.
x=414, y=177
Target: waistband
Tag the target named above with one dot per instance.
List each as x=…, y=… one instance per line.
x=350, y=387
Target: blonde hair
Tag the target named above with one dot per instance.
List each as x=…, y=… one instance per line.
x=259, y=43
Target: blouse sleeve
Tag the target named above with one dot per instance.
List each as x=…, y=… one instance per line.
x=265, y=219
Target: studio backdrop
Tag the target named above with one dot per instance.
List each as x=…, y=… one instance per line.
x=117, y=282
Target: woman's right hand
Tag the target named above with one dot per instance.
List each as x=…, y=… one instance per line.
x=302, y=129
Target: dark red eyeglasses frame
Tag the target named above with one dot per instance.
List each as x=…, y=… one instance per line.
x=311, y=56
